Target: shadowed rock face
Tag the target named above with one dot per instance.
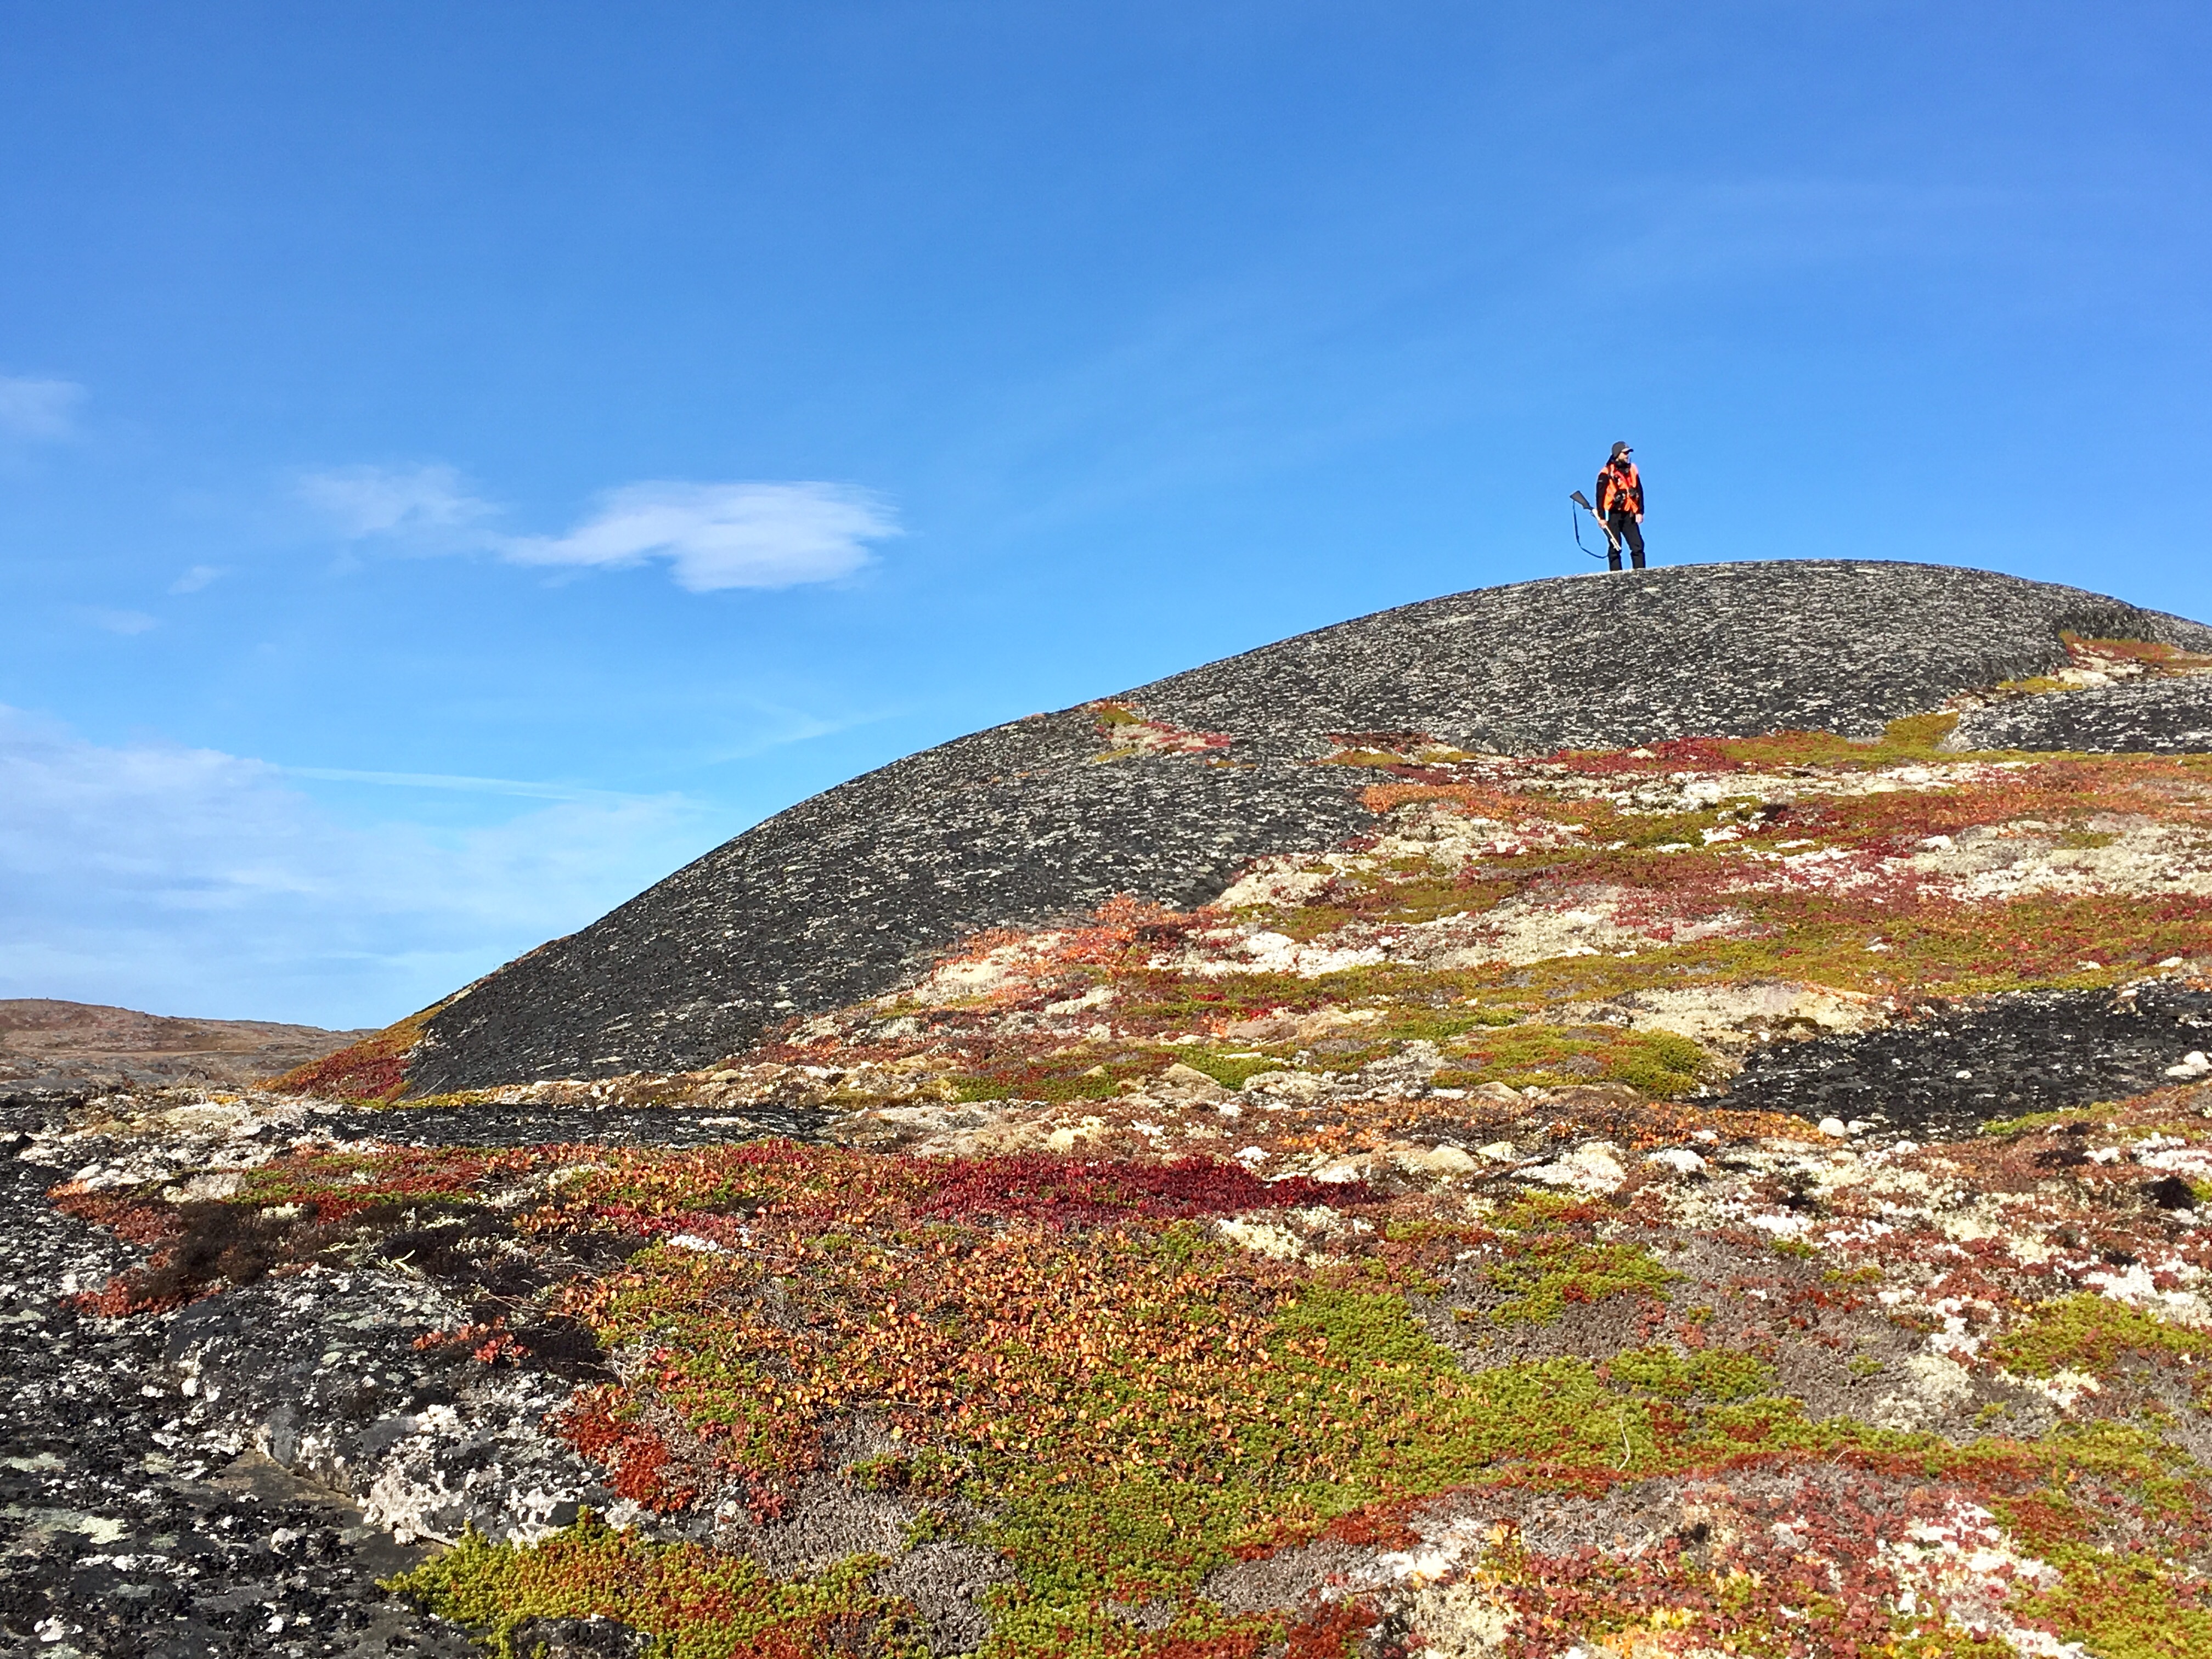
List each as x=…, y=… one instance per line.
x=844, y=895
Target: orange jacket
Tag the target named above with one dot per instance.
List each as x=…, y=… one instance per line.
x=1620, y=489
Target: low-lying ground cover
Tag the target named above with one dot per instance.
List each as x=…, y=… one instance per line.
x=1839, y=1401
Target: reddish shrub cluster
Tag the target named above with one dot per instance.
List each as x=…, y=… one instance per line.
x=635, y=1455
x=375, y=1068
x=490, y=1345
x=341, y=1185
x=1677, y=754
x=140, y=1291
x=202, y=1247
x=129, y=1217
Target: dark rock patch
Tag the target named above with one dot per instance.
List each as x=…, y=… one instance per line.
x=1600, y=662
x=576, y=1639
x=127, y=1532
x=1945, y=1071
x=493, y=1125
x=191, y=1483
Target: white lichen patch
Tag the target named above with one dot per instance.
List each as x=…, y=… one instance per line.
x=1733, y=1017
x=2111, y=854
x=1961, y=1569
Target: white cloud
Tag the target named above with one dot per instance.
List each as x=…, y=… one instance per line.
x=714, y=536
x=388, y=500
x=198, y=577
x=120, y=622
x=36, y=409
x=193, y=881
x=722, y=535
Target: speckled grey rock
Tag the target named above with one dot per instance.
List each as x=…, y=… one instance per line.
x=2154, y=717
x=845, y=894
x=130, y=1526
x=1601, y=661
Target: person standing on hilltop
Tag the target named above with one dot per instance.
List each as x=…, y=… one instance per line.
x=1620, y=505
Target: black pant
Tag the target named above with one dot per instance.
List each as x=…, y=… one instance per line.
x=1625, y=528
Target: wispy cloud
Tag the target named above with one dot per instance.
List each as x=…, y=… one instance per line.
x=521, y=787
x=713, y=535
x=398, y=502
x=722, y=535
x=198, y=577
x=119, y=622
x=39, y=409
x=190, y=881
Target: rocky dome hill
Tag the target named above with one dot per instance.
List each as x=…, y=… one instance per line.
x=1166, y=791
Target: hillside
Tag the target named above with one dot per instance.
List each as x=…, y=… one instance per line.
x=1653, y=1116
x=1164, y=792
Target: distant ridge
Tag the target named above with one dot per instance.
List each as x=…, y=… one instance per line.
x=48, y=1046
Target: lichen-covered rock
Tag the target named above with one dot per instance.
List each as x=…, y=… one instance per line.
x=2157, y=717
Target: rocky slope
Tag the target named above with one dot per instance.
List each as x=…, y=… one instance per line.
x=1698, y=1195
x=1165, y=792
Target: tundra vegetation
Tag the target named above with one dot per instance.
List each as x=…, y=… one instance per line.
x=1376, y=1259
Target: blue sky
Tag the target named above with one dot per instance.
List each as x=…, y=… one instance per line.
x=459, y=463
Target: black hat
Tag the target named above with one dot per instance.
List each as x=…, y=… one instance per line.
x=1619, y=449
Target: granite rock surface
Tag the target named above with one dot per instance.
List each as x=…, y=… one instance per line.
x=2157, y=717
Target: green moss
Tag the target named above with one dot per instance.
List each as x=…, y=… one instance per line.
x=2119, y=1604
x=1399, y=898
x=1660, y=1064
x=1721, y=1374
x=969, y=1088
x=2090, y=1334
x=925, y=1474
x=2118, y=1607
x=1545, y=1281
x=1552, y=1261
x=693, y=1602
x=2043, y=1123
x=1904, y=741
x=455, y=1097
